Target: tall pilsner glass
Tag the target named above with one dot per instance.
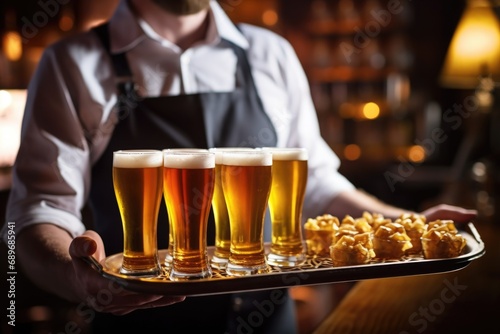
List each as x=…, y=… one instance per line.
x=137, y=181
x=246, y=181
x=170, y=250
x=222, y=227
x=189, y=179
x=285, y=206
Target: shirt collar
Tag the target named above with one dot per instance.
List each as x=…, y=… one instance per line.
x=127, y=31
x=225, y=28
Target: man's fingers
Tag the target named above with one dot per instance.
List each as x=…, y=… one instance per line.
x=89, y=243
x=136, y=299
x=444, y=211
x=82, y=246
x=142, y=302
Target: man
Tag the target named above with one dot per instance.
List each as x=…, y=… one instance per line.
x=161, y=73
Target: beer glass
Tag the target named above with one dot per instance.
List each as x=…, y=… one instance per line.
x=246, y=182
x=168, y=257
x=221, y=217
x=188, y=188
x=285, y=206
x=137, y=182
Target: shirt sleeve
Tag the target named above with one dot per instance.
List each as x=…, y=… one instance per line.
x=294, y=116
x=324, y=179
x=51, y=172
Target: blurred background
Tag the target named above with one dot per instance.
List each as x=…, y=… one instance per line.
x=411, y=113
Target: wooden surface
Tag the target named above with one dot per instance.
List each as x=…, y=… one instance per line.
x=463, y=301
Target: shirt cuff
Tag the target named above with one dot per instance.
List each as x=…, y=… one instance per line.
x=43, y=215
x=317, y=201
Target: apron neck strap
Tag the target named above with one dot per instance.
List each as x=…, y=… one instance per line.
x=124, y=77
x=127, y=92
x=119, y=60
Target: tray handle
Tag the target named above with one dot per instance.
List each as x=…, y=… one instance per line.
x=90, y=260
x=475, y=233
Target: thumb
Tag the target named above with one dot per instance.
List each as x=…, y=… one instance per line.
x=86, y=245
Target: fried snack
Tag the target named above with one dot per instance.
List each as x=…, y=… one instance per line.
x=319, y=234
x=442, y=240
x=413, y=217
x=345, y=229
x=415, y=226
x=348, y=220
x=361, y=225
x=390, y=241
x=351, y=226
x=374, y=219
x=443, y=225
x=352, y=250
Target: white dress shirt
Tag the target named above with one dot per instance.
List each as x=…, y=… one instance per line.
x=69, y=112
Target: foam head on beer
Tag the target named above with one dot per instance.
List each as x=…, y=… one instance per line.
x=288, y=153
x=185, y=149
x=137, y=159
x=220, y=150
x=188, y=190
x=189, y=159
x=137, y=182
x=289, y=180
x=246, y=180
x=247, y=158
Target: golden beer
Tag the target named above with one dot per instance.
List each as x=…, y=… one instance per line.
x=137, y=181
x=188, y=185
x=221, y=216
x=285, y=206
x=246, y=182
x=168, y=257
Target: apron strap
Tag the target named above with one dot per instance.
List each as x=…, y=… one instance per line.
x=128, y=98
x=124, y=77
x=119, y=60
x=127, y=92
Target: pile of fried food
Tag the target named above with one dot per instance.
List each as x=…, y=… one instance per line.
x=372, y=237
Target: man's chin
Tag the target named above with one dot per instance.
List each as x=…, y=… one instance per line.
x=183, y=7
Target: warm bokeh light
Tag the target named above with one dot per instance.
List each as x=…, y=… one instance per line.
x=270, y=17
x=416, y=153
x=474, y=48
x=12, y=45
x=66, y=23
x=371, y=110
x=352, y=152
x=479, y=171
x=93, y=23
x=347, y=110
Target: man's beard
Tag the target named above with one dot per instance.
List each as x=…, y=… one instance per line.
x=183, y=7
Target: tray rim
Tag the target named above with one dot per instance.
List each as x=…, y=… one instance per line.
x=290, y=278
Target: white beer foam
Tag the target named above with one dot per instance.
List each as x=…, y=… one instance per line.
x=288, y=153
x=188, y=160
x=186, y=149
x=137, y=159
x=247, y=158
x=219, y=150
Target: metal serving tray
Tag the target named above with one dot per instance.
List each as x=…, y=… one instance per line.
x=314, y=271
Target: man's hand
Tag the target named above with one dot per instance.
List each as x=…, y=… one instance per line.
x=444, y=211
x=100, y=293
x=355, y=202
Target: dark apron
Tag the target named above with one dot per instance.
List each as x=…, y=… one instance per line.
x=204, y=120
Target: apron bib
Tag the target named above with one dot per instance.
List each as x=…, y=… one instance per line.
x=186, y=121
x=191, y=121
